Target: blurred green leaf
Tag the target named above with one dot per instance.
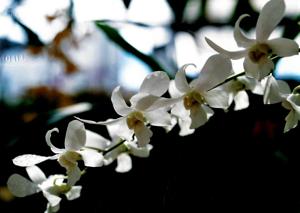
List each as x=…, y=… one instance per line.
x=115, y=36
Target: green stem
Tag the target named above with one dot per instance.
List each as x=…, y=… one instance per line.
x=113, y=147
x=228, y=79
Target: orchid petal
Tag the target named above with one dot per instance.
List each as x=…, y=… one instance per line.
x=52, y=209
x=294, y=100
x=143, y=135
x=240, y=38
x=119, y=103
x=230, y=54
x=29, y=160
x=258, y=71
x=143, y=101
x=75, y=135
x=241, y=100
x=74, y=175
x=269, y=17
x=48, y=141
x=91, y=158
x=252, y=84
x=200, y=115
x=36, y=174
x=119, y=130
x=74, y=193
x=53, y=200
x=217, y=98
x=156, y=83
x=94, y=140
x=216, y=70
x=291, y=121
x=20, y=186
x=107, y=122
x=184, y=125
x=180, y=80
x=142, y=152
x=276, y=91
x=173, y=91
x=159, y=117
x=124, y=163
x=283, y=47
x=179, y=110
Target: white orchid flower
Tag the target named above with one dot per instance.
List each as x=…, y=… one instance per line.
x=279, y=91
x=147, y=107
x=119, y=149
x=257, y=52
x=237, y=91
x=52, y=187
x=76, y=138
x=195, y=98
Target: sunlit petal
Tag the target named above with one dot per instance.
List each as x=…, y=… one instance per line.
x=159, y=117
x=180, y=80
x=216, y=70
x=91, y=158
x=30, y=160
x=230, y=54
x=241, y=100
x=36, y=174
x=75, y=135
x=269, y=17
x=283, y=46
x=240, y=38
x=49, y=143
x=124, y=163
x=119, y=103
x=156, y=83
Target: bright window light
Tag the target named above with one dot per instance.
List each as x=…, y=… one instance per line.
x=132, y=73
x=187, y=52
x=10, y=30
x=220, y=10
x=154, y=12
x=97, y=10
x=33, y=13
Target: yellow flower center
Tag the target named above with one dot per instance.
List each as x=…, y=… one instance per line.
x=192, y=99
x=69, y=159
x=135, y=120
x=259, y=53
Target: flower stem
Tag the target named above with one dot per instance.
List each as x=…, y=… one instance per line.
x=113, y=147
x=228, y=79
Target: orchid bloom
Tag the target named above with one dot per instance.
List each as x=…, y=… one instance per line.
x=257, y=52
x=195, y=98
x=119, y=149
x=52, y=187
x=147, y=107
x=237, y=91
x=75, y=140
x=279, y=91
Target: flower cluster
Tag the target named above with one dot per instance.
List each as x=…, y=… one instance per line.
x=189, y=104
